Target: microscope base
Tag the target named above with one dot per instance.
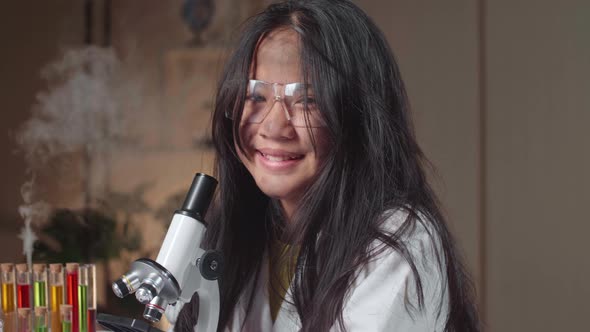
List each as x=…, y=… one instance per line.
x=124, y=324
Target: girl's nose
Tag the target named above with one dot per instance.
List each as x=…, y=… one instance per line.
x=276, y=124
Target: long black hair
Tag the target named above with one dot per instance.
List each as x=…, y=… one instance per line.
x=374, y=166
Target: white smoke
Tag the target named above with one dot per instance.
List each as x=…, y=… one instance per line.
x=79, y=112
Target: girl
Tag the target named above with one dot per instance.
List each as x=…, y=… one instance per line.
x=323, y=213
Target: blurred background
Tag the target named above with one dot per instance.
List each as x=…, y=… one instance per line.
x=106, y=106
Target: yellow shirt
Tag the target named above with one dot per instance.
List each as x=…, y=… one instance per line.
x=281, y=265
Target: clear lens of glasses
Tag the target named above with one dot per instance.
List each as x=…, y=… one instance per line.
x=296, y=99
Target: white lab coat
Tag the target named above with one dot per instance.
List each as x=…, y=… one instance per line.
x=377, y=299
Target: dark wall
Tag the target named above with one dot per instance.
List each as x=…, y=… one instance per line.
x=33, y=32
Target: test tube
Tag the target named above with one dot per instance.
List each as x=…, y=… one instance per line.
x=87, y=297
x=92, y=298
x=24, y=320
x=8, y=296
x=23, y=286
x=83, y=298
x=66, y=317
x=40, y=285
x=41, y=319
x=72, y=298
x=56, y=295
x=1, y=313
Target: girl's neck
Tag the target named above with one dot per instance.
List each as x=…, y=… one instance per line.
x=287, y=210
x=281, y=223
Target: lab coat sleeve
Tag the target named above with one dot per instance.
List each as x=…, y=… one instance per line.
x=383, y=296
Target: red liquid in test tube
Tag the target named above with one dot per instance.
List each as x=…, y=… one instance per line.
x=72, y=298
x=23, y=286
x=23, y=296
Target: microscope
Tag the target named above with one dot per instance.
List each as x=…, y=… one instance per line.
x=181, y=268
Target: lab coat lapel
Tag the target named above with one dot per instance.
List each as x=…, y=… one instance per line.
x=259, y=318
x=287, y=318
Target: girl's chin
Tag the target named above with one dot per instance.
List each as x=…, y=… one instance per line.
x=278, y=189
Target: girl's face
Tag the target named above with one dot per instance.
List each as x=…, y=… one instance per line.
x=280, y=156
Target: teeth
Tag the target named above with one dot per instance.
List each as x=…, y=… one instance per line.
x=278, y=158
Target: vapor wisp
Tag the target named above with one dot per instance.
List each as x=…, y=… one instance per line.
x=78, y=112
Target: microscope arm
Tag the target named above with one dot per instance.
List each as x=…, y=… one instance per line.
x=207, y=292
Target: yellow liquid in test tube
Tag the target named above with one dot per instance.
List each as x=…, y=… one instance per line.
x=7, y=298
x=56, y=297
x=8, y=307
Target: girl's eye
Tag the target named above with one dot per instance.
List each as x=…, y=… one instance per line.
x=256, y=98
x=309, y=101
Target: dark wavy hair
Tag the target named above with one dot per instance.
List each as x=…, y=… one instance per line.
x=374, y=165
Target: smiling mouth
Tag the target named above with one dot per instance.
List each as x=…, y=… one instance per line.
x=280, y=157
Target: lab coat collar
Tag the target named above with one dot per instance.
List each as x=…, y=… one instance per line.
x=259, y=318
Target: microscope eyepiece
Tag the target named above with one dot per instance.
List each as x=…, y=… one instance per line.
x=199, y=195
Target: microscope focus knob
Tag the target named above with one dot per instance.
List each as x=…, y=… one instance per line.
x=211, y=265
x=145, y=293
